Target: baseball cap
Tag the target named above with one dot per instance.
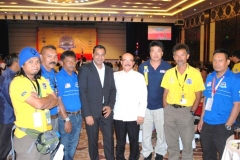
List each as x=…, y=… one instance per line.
x=27, y=53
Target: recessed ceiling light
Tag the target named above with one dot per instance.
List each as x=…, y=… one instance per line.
x=127, y=2
x=35, y=13
x=155, y=7
x=13, y=3
x=124, y=6
x=210, y=3
x=145, y=6
x=163, y=16
x=2, y=2
x=194, y=9
x=113, y=5
x=135, y=6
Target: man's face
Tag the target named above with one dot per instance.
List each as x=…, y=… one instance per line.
x=31, y=66
x=127, y=62
x=99, y=56
x=156, y=53
x=49, y=58
x=69, y=63
x=180, y=56
x=220, y=63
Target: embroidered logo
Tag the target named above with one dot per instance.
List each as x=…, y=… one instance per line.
x=23, y=93
x=162, y=71
x=223, y=85
x=209, y=84
x=44, y=85
x=67, y=85
x=76, y=84
x=188, y=81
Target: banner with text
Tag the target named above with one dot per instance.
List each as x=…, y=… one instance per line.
x=79, y=40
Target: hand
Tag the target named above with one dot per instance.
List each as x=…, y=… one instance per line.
x=140, y=120
x=68, y=126
x=200, y=125
x=107, y=111
x=89, y=120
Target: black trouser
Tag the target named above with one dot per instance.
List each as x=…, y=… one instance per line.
x=122, y=128
x=213, y=139
x=5, y=140
x=106, y=127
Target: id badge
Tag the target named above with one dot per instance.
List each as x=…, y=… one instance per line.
x=48, y=116
x=183, y=101
x=209, y=103
x=37, y=119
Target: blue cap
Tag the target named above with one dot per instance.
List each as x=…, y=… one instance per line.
x=27, y=53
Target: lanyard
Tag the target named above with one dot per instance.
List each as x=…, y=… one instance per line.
x=37, y=89
x=183, y=80
x=213, y=84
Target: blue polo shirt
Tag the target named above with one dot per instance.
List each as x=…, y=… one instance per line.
x=68, y=90
x=226, y=94
x=50, y=77
x=155, y=91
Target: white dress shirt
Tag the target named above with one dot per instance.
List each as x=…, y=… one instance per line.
x=101, y=73
x=131, y=98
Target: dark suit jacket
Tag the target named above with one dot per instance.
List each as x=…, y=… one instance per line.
x=92, y=92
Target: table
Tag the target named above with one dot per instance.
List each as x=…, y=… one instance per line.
x=231, y=152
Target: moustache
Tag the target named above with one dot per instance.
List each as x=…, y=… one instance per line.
x=52, y=63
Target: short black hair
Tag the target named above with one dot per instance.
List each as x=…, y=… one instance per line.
x=156, y=43
x=224, y=51
x=47, y=47
x=180, y=46
x=100, y=47
x=236, y=53
x=67, y=54
x=10, y=58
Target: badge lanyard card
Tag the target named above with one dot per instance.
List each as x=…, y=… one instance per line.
x=209, y=103
x=183, y=99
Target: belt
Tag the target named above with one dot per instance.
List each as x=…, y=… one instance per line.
x=177, y=106
x=73, y=113
x=54, y=116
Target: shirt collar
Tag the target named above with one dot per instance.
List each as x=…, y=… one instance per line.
x=226, y=74
x=103, y=66
x=65, y=72
x=51, y=72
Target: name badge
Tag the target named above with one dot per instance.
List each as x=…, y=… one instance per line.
x=37, y=119
x=209, y=103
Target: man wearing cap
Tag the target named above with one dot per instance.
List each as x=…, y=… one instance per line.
x=32, y=97
x=183, y=86
x=7, y=116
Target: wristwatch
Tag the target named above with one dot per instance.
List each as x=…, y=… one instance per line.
x=67, y=119
x=192, y=112
x=228, y=127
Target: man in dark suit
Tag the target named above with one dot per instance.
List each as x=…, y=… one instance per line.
x=98, y=94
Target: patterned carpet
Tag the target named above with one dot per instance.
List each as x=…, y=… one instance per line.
x=82, y=149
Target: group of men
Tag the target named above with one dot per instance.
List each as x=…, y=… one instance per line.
x=157, y=96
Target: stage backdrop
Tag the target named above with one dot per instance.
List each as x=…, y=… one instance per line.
x=81, y=41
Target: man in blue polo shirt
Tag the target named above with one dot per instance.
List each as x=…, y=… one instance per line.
x=153, y=71
x=221, y=106
x=70, y=124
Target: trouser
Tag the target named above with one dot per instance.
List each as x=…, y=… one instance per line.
x=106, y=127
x=122, y=128
x=5, y=140
x=153, y=118
x=70, y=140
x=213, y=140
x=26, y=149
x=179, y=122
x=54, y=123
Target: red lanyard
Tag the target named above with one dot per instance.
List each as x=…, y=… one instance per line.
x=214, y=89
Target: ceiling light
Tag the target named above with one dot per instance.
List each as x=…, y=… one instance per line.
x=13, y=3
x=194, y=9
x=163, y=16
